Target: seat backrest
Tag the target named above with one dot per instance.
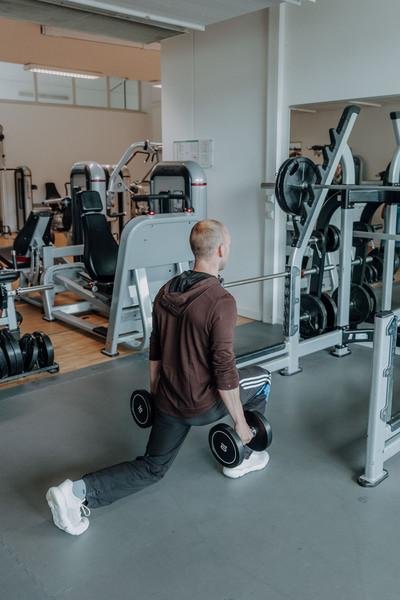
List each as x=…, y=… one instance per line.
x=37, y=226
x=100, y=252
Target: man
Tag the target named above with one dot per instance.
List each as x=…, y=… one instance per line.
x=193, y=379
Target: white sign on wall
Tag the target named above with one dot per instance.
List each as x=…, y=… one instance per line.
x=201, y=151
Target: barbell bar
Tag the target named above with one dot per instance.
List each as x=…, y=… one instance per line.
x=282, y=274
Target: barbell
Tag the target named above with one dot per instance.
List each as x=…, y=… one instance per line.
x=298, y=178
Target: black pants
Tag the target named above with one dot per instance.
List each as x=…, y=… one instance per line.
x=166, y=437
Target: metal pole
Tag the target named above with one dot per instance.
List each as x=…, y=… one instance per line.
x=380, y=398
x=388, y=258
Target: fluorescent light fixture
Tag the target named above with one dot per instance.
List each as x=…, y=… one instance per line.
x=157, y=85
x=305, y=110
x=61, y=72
x=365, y=103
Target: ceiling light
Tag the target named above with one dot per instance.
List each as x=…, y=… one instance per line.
x=365, y=103
x=157, y=85
x=62, y=72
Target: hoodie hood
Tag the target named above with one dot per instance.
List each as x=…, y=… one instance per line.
x=182, y=291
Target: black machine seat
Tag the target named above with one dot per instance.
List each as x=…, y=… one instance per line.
x=24, y=238
x=100, y=248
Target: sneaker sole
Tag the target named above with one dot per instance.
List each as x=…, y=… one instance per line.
x=56, y=502
x=237, y=474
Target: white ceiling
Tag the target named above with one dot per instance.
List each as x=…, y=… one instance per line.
x=143, y=21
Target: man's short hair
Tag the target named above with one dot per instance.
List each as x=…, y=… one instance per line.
x=205, y=237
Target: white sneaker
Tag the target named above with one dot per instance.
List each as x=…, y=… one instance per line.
x=67, y=509
x=255, y=462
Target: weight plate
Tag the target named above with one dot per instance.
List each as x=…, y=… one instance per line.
x=226, y=445
x=396, y=263
x=377, y=262
x=292, y=175
x=142, y=408
x=332, y=238
x=313, y=316
x=263, y=436
x=46, y=349
x=3, y=364
x=372, y=300
x=331, y=310
x=30, y=351
x=12, y=353
x=369, y=274
x=364, y=227
x=360, y=305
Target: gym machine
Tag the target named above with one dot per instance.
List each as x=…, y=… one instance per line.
x=119, y=281
x=301, y=188
x=114, y=186
x=16, y=193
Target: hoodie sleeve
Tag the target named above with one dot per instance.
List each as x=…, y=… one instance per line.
x=223, y=360
x=155, y=343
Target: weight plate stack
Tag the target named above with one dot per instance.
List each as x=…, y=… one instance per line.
x=313, y=316
x=360, y=304
x=30, y=351
x=3, y=365
x=12, y=353
x=373, y=302
x=290, y=194
x=377, y=262
x=331, y=310
x=332, y=238
x=46, y=349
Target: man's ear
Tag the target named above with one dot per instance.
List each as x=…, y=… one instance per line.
x=221, y=250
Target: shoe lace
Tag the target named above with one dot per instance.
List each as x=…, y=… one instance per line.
x=85, y=510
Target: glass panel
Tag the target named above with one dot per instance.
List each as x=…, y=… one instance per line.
x=117, y=92
x=132, y=95
x=54, y=89
x=16, y=83
x=91, y=92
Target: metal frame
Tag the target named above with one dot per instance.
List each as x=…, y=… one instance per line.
x=383, y=440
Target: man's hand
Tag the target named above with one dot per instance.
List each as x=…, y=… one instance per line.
x=244, y=432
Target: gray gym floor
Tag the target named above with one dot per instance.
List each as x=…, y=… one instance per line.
x=303, y=529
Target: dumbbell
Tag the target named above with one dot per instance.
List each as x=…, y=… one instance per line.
x=227, y=447
x=142, y=408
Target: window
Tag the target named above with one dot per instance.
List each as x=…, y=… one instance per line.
x=124, y=94
x=16, y=83
x=91, y=92
x=54, y=89
x=105, y=92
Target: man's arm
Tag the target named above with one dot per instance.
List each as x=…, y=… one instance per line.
x=223, y=363
x=231, y=399
x=155, y=368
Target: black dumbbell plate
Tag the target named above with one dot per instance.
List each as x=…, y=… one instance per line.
x=226, y=445
x=259, y=423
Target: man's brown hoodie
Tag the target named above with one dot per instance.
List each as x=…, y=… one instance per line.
x=194, y=320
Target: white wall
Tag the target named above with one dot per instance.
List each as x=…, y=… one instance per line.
x=214, y=86
x=49, y=139
x=372, y=138
x=341, y=50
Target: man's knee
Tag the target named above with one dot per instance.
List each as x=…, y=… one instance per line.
x=156, y=470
